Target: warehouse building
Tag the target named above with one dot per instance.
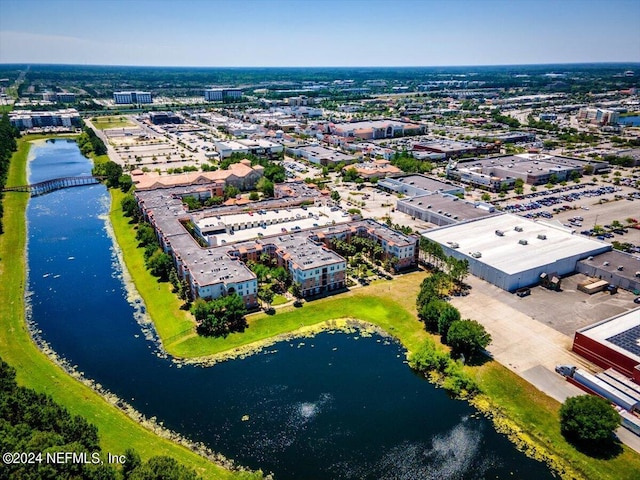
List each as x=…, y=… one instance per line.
x=612, y=343
x=617, y=268
x=511, y=252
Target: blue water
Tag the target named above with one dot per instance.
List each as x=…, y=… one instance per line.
x=332, y=406
x=634, y=121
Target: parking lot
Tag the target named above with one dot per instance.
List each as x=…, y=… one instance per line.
x=569, y=309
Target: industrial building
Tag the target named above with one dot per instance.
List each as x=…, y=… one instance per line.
x=512, y=252
x=125, y=98
x=613, y=343
x=616, y=267
x=534, y=169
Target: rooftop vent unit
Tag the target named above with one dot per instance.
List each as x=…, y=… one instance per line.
x=500, y=233
x=523, y=242
x=428, y=206
x=620, y=268
x=454, y=245
x=542, y=236
x=476, y=254
x=605, y=264
x=518, y=229
x=590, y=258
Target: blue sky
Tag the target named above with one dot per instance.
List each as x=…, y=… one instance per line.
x=319, y=32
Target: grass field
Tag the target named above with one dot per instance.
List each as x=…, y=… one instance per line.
x=34, y=370
x=115, y=121
x=530, y=416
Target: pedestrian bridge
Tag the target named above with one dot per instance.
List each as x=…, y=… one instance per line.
x=48, y=186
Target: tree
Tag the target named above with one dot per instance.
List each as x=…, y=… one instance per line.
x=129, y=206
x=231, y=192
x=266, y=295
x=160, y=265
x=448, y=315
x=429, y=313
x=485, y=197
x=296, y=290
x=335, y=196
x=265, y=186
x=146, y=235
x=467, y=337
x=588, y=419
x=253, y=196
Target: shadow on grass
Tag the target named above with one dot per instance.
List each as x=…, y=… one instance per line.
x=598, y=450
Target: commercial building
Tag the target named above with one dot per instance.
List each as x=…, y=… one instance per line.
x=612, y=343
x=376, y=169
x=416, y=185
x=534, y=169
x=241, y=175
x=599, y=116
x=511, y=252
x=320, y=155
x=163, y=118
x=451, y=149
x=221, y=94
x=26, y=119
x=59, y=97
x=375, y=129
x=125, y=98
x=617, y=268
x=443, y=209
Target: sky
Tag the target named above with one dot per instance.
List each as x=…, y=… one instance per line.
x=302, y=33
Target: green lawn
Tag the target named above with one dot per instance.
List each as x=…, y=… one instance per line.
x=34, y=370
x=538, y=415
x=279, y=300
x=115, y=121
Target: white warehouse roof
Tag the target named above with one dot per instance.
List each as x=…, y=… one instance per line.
x=514, y=244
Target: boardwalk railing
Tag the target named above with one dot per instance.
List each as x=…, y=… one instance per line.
x=48, y=186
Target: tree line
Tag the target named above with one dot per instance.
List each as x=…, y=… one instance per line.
x=466, y=338
x=34, y=423
x=8, y=145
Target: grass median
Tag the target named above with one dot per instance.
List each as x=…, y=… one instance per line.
x=35, y=370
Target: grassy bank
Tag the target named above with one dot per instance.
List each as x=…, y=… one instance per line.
x=34, y=370
x=529, y=417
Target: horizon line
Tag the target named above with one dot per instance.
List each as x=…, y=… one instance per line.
x=630, y=62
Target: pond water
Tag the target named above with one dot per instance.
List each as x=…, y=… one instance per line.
x=332, y=406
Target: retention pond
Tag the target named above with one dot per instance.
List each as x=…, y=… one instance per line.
x=332, y=406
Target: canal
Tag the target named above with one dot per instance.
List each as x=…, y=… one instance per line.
x=332, y=406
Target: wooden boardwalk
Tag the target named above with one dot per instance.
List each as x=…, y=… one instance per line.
x=41, y=188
